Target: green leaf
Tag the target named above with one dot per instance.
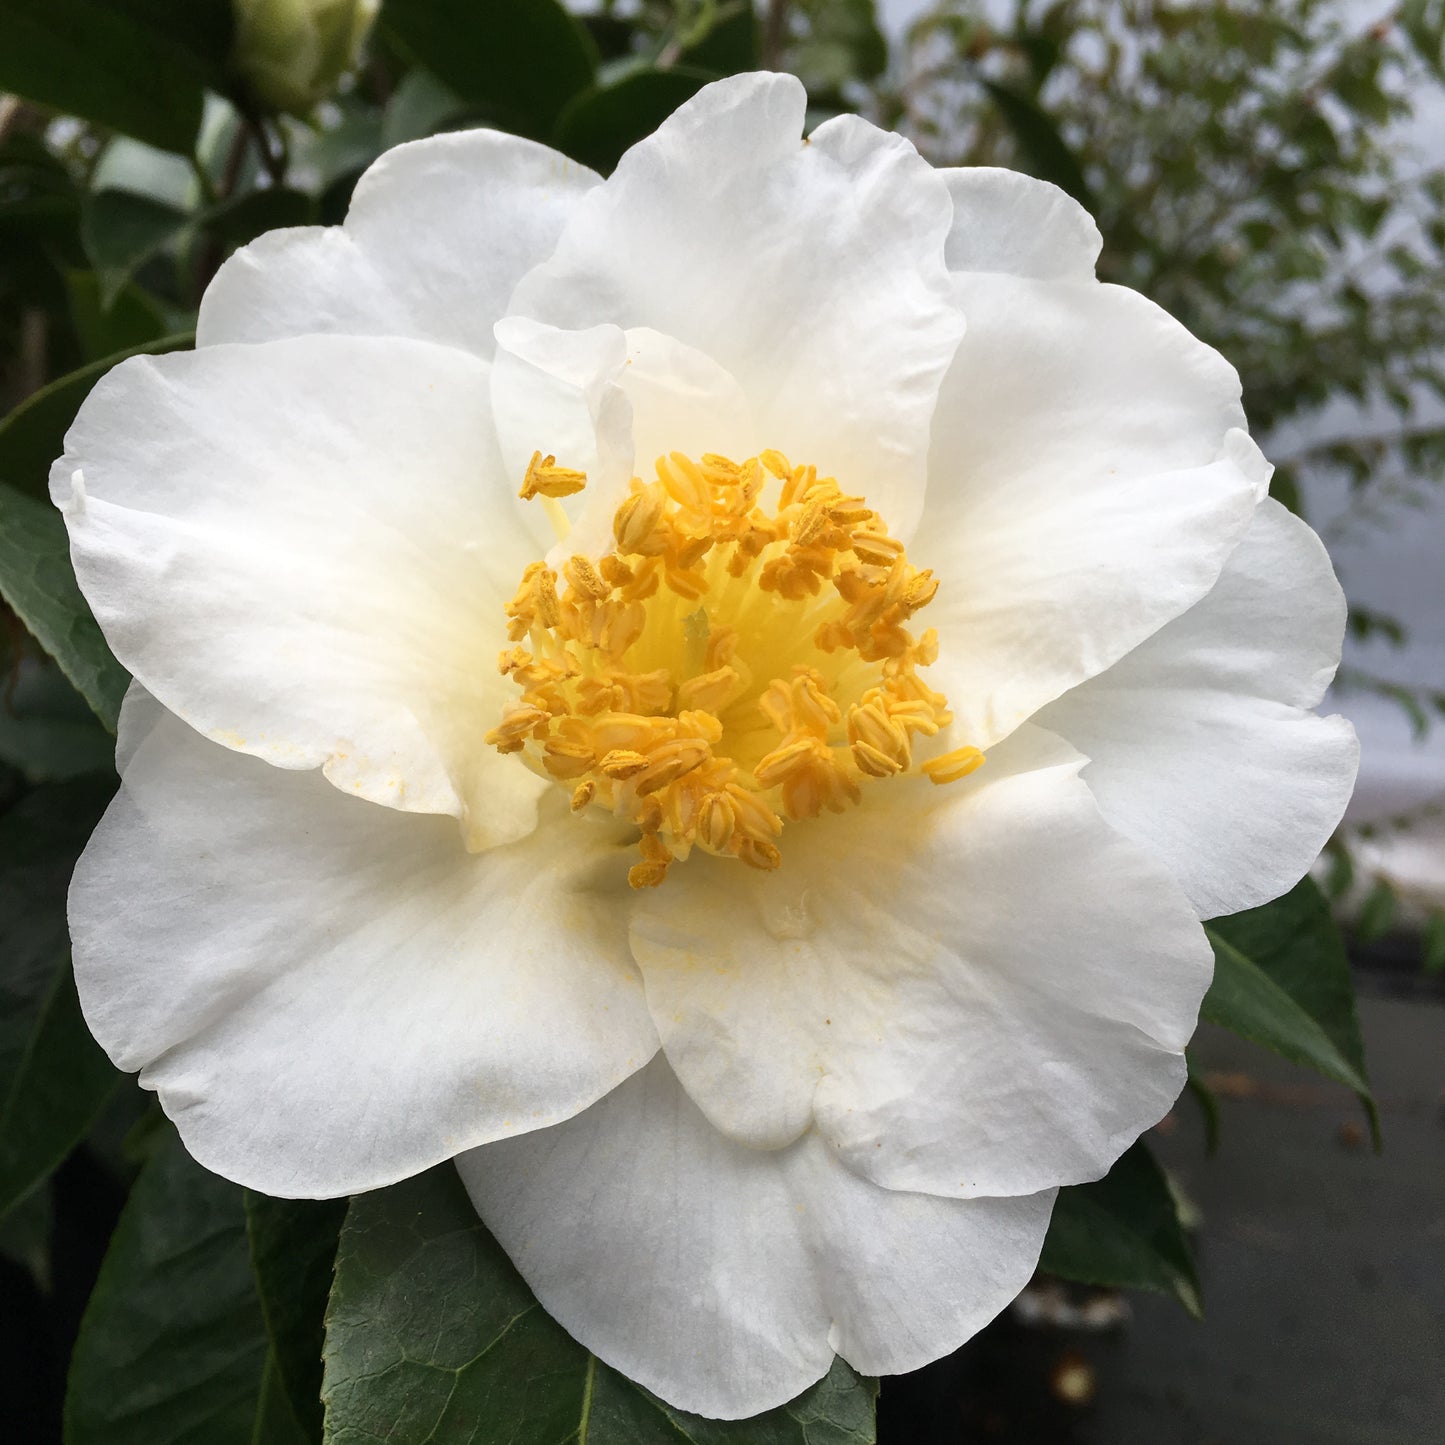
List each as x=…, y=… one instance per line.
x=432, y=1335
x=420, y=106
x=726, y=43
x=54, y=1078
x=121, y=231
x=1124, y=1230
x=520, y=61
x=90, y=59
x=40, y=839
x=601, y=124
x=293, y=1249
x=33, y=435
x=199, y=33
x=173, y=1347
x=1208, y=1103
x=1377, y=913
x=61, y=1086
x=1045, y=150
x=38, y=582
x=1281, y=979
x=133, y=319
x=1433, y=961
x=47, y=732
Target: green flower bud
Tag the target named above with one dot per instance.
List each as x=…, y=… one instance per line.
x=290, y=53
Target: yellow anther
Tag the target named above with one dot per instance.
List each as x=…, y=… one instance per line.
x=622, y=763
x=777, y=464
x=875, y=762
x=729, y=665
x=670, y=762
x=717, y=822
x=583, y=578
x=875, y=547
x=758, y=854
x=510, y=735
x=950, y=767
x=546, y=479
x=709, y=690
x=635, y=524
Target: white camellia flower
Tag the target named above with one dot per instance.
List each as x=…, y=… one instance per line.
x=768, y=852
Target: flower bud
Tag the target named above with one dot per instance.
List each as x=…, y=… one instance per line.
x=291, y=53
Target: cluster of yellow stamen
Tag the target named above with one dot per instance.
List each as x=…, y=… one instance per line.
x=728, y=665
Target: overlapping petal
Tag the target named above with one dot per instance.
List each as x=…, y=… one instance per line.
x=1202, y=745
x=1089, y=474
x=439, y=232
x=979, y=990
x=331, y=996
x=725, y=1279
x=304, y=549
x=811, y=271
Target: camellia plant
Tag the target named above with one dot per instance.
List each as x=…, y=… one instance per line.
x=680, y=734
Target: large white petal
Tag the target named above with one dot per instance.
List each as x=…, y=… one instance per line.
x=725, y=1278
x=1008, y=222
x=1202, y=747
x=304, y=549
x=812, y=271
x=1087, y=482
x=973, y=990
x=330, y=996
x=439, y=232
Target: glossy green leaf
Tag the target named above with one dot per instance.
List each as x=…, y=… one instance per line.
x=1433, y=961
x=841, y=43
x=293, y=1249
x=198, y=32
x=54, y=1078
x=132, y=320
x=601, y=124
x=93, y=60
x=420, y=106
x=520, y=61
x=47, y=732
x=1281, y=979
x=38, y=582
x=63, y=1082
x=33, y=435
x=432, y=1336
x=173, y=1347
x=40, y=838
x=1123, y=1230
x=726, y=42
x=1198, y=1089
x=121, y=231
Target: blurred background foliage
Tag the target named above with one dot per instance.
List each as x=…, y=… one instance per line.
x=1248, y=167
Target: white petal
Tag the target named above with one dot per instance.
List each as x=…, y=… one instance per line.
x=304, y=549
x=724, y=1278
x=440, y=231
x=559, y=393
x=609, y=402
x=330, y=996
x=1087, y=482
x=1011, y=223
x=973, y=990
x=1202, y=746
x=811, y=271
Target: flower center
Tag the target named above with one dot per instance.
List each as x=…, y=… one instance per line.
x=726, y=668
